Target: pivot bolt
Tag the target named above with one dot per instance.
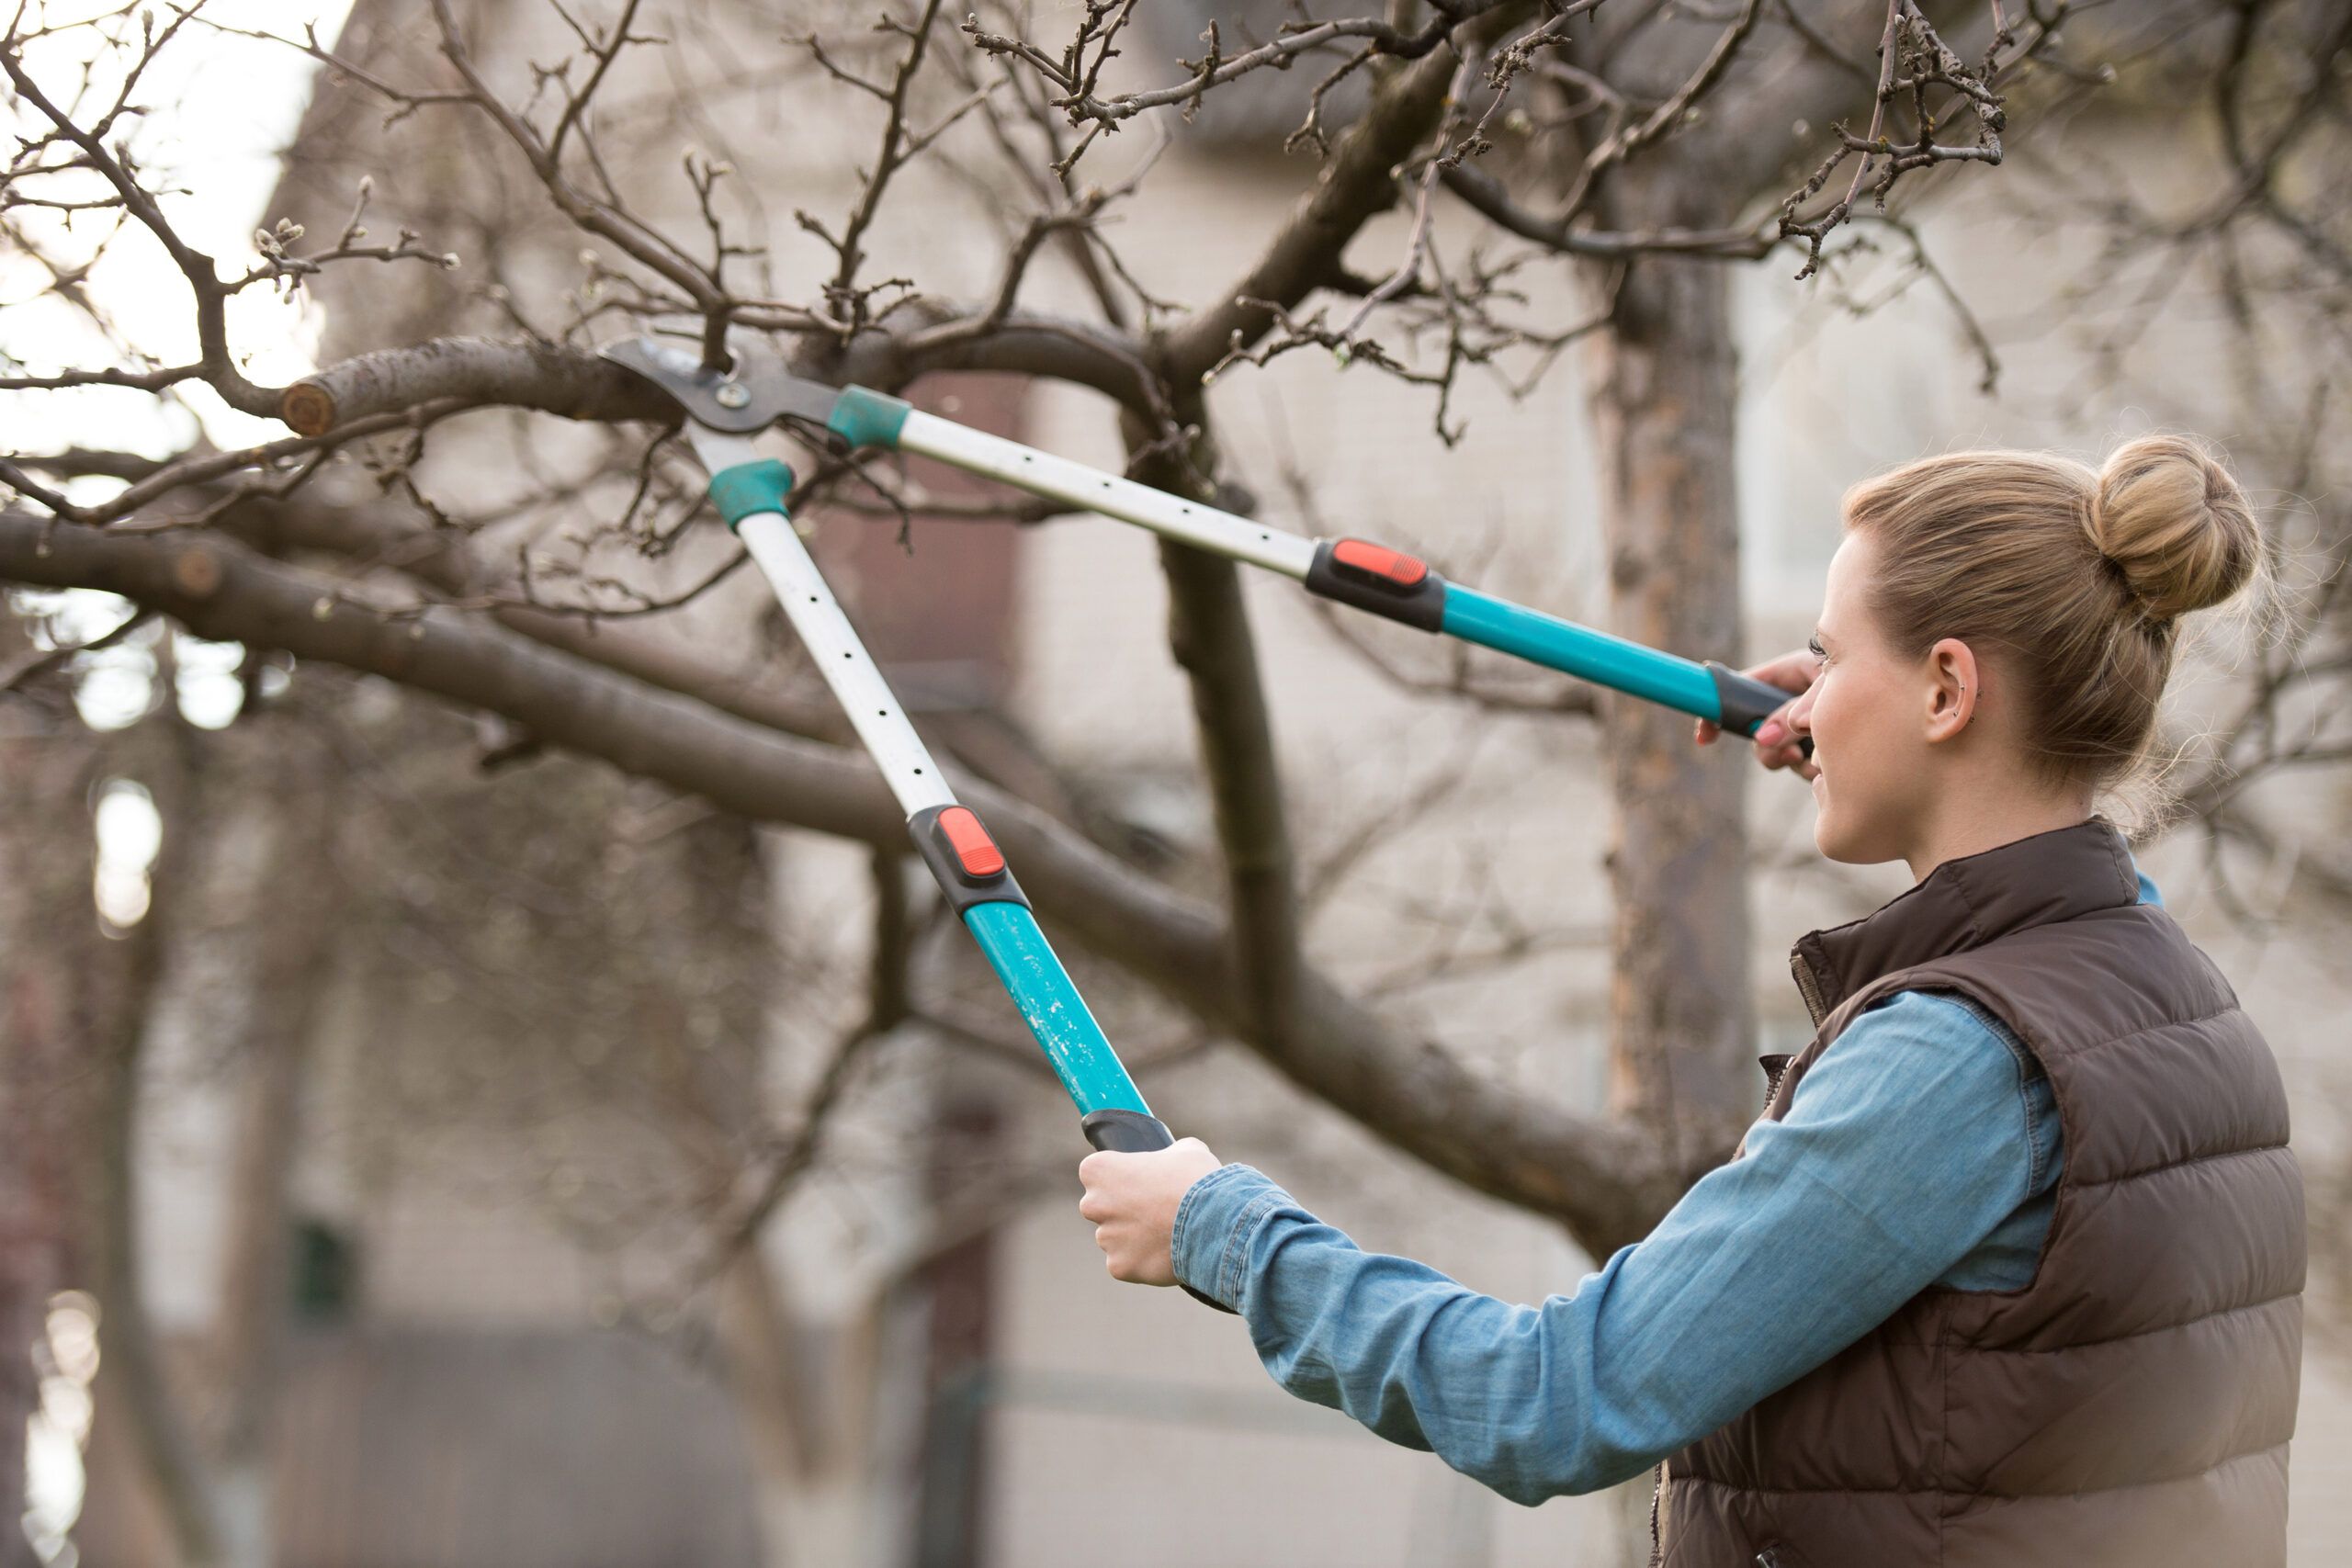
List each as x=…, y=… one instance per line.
x=731, y=395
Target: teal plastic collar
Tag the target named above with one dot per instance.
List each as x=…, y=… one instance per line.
x=867, y=418
x=748, y=488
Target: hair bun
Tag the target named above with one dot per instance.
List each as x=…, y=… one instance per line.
x=2176, y=525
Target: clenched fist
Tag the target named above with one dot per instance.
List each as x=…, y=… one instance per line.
x=1132, y=1198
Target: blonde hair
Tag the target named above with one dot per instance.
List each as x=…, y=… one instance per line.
x=2076, y=578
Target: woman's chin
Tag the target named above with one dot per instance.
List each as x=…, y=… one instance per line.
x=1829, y=834
x=1843, y=853
x=1840, y=839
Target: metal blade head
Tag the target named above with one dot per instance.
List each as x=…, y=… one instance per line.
x=755, y=393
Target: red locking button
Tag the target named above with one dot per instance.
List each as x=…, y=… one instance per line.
x=975, y=851
x=1378, y=560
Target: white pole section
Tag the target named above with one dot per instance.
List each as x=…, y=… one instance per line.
x=1091, y=490
x=833, y=643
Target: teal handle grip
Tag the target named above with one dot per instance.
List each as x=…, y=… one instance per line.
x=1580, y=651
x=1709, y=691
x=1049, y=1003
x=1112, y=1113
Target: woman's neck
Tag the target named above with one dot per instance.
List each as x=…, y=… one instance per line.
x=1988, y=820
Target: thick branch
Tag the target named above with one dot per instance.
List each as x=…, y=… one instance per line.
x=475, y=370
x=1607, y=1181
x=441, y=561
x=578, y=385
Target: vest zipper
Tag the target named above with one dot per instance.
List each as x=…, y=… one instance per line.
x=1657, y=1490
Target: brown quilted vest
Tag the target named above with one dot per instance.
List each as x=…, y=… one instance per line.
x=2131, y=1405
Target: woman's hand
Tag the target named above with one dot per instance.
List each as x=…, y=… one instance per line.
x=1776, y=742
x=1132, y=1198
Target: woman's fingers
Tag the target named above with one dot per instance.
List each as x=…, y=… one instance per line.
x=1777, y=742
x=1779, y=745
x=1132, y=1200
x=1792, y=673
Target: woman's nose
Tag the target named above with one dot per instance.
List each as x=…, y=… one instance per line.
x=1799, y=713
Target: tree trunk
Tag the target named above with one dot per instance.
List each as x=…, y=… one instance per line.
x=45, y=869
x=1662, y=400
x=292, y=911
x=74, y=1002
x=163, y=755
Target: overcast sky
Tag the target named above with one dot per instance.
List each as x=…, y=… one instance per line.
x=221, y=109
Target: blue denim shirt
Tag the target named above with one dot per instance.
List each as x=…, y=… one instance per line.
x=1921, y=1148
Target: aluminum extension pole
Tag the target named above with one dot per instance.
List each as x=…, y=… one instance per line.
x=1353, y=571
x=750, y=491
x=1368, y=576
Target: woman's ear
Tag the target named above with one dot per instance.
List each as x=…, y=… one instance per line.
x=1952, y=689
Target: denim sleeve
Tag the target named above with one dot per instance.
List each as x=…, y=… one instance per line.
x=1905, y=1146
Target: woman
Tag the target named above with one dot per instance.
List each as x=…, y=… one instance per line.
x=2008, y=1271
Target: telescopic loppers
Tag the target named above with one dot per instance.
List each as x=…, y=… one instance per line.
x=725, y=409
x=750, y=491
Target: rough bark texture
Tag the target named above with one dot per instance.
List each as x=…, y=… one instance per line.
x=1663, y=392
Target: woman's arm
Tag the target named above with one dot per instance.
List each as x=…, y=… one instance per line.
x=1912, y=1137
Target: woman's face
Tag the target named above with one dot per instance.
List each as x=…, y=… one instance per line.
x=1864, y=712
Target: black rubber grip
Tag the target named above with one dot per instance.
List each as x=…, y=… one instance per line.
x=946, y=866
x=1420, y=604
x=1746, y=702
x=1126, y=1131
x=1133, y=1133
